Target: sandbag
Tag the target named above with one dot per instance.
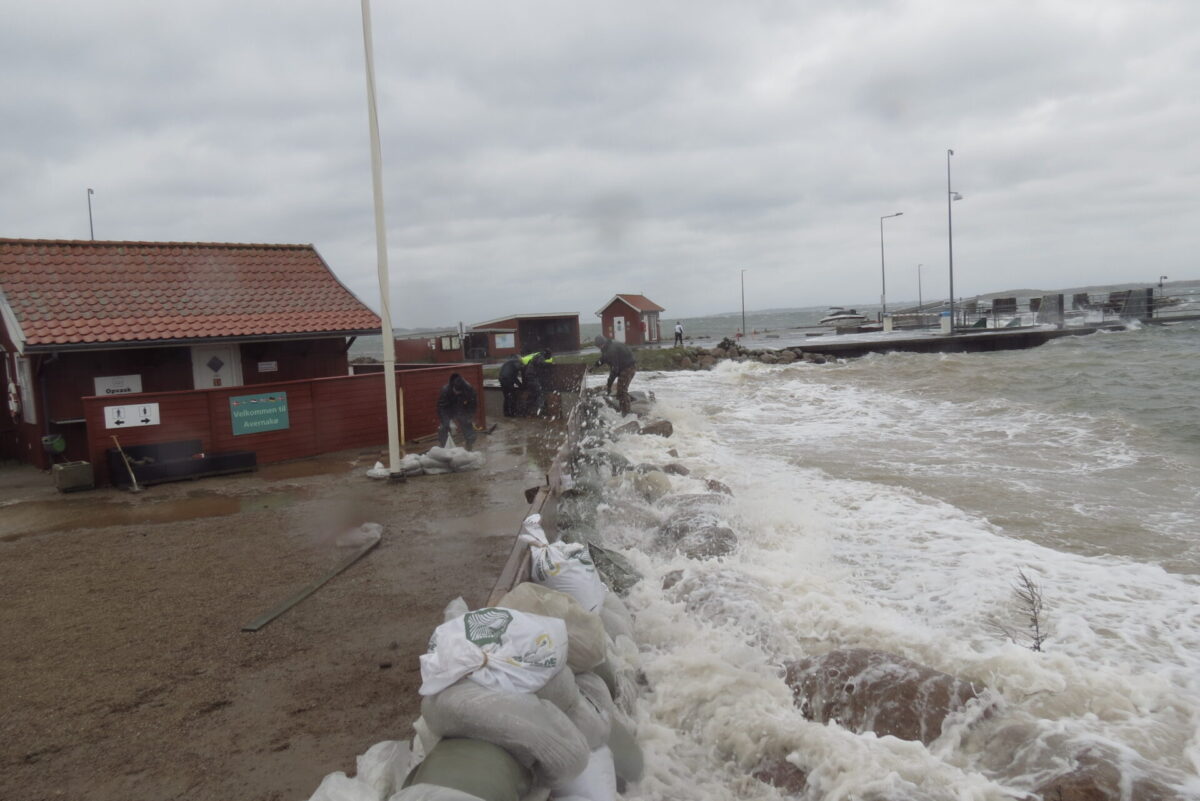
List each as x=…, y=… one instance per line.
x=475, y=767
x=628, y=760
x=586, y=636
x=432, y=792
x=597, y=782
x=384, y=766
x=566, y=567
x=536, y=732
x=591, y=720
x=499, y=648
x=615, y=617
x=340, y=787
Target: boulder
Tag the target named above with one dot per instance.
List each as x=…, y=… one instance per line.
x=1099, y=776
x=652, y=485
x=717, y=486
x=706, y=362
x=768, y=358
x=719, y=353
x=676, y=469
x=629, y=427
x=686, y=363
x=662, y=428
x=786, y=356
x=671, y=579
x=782, y=775
x=867, y=690
x=697, y=533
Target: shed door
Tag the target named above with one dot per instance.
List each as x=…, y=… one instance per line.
x=619, y=329
x=216, y=366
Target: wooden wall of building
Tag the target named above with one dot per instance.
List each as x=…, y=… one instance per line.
x=324, y=415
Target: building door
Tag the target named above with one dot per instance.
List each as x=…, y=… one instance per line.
x=619, y=329
x=216, y=366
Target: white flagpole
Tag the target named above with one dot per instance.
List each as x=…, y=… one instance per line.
x=385, y=313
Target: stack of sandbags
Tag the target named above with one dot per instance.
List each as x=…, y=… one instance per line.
x=563, y=566
x=449, y=460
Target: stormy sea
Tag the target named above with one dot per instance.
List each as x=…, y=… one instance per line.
x=891, y=505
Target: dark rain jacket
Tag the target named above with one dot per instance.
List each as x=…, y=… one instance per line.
x=510, y=372
x=457, y=397
x=618, y=357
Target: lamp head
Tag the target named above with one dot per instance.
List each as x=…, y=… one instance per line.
x=955, y=196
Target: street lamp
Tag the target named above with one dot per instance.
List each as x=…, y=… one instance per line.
x=951, y=196
x=91, y=230
x=882, y=273
x=920, y=303
x=744, y=301
x=1161, y=278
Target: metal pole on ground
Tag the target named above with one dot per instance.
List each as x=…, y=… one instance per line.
x=951, y=196
x=743, y=302
x=920, y=303
x=385, y=313
x=882, y=271
x=91, y=228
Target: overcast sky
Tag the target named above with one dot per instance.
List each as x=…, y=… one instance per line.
x=543, y=156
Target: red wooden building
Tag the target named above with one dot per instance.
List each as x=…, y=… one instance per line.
x=632, y=319
x=433, y=347
x=186, y=324
x=523, y=333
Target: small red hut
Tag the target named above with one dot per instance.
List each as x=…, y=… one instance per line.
x=632, y=319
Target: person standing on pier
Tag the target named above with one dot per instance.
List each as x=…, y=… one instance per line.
x=678, y=334
x=456, y=404
x=622, y=367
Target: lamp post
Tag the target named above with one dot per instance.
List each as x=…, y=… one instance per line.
x=744, y=302
x=91, y=229
x=1161, y=278
x=920, y=302
x=951, y=196
x=882, y=272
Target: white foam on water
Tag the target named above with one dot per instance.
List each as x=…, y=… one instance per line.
x=828, y=562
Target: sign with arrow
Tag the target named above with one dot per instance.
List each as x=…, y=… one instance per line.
x=132, y=416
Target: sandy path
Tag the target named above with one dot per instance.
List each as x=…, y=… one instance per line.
x=126, y=675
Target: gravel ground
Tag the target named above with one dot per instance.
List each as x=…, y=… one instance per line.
x=125, y=671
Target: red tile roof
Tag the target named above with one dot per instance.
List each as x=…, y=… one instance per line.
x=83, y=293
x=638, y=302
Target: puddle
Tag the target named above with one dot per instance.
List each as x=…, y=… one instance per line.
x=44, y=517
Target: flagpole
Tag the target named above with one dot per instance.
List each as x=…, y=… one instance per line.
x=385, y=313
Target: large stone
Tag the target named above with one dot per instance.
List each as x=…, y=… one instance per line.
x=786, y=356
x=717, y=486
x=706, y=362
x=697, y=533
x=676, y=469
x=866, y=690
x=662, y=428
x=652, y=485
x=686, y=363
x=768, y=358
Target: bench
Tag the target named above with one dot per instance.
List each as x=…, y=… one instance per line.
x=158, y=462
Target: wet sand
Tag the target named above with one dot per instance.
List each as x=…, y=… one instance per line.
x=126, y=674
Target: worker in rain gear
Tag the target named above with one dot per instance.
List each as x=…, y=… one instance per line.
x=511, y=383
x=533, y=373
x=622, y=367
x=457, y=403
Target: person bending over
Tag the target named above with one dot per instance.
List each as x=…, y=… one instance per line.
x=511, y=383
x=622, y=366
x=457, y=403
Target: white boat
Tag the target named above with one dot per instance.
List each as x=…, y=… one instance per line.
x=839, y=316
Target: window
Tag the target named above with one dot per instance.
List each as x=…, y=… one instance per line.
x=451, y=343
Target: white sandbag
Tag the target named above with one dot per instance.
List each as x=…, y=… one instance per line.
x=587, y=716
x=587, y=642
x=427, y=462
x=431, y=792
x=384, y=766
x=628, y=760
x=562, y=566
x=378, y=471
x=498, y=648
x=436, y=471
x=466, y=460
x=456, y=608
x=443, y=455
x=597, y=782
x=536, y=732
x=615, y=617
x=593, y=688
x=340, y=787
x=360, y=536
